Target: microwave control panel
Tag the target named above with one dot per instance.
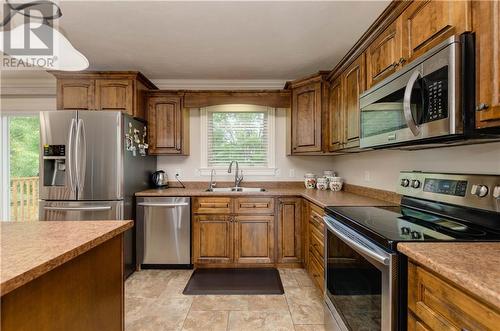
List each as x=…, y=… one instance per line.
x=436, y=95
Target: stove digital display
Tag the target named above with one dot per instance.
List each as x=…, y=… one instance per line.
x=446, y=186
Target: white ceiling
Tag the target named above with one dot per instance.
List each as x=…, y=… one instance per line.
x=217, y=40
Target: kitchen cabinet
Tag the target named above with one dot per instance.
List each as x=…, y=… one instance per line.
x=168, y=124
x=75, y=94
x=385, y=54
x=427, y=23
x=335, y=117
x=103, y=90
x=289, y=230
x=308, y=96
x=436, y=304
x=353, y=84
x=314, y=261
x=254, y=239
x=486, y=24
x=212, y=240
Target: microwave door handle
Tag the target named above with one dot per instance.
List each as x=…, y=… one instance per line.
x=410, y=121
x=357, y=246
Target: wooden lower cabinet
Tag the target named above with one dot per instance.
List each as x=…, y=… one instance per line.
x=435, y=303
x=253, y=239
x=289, y=230
x=212, y=240
x=314, y=256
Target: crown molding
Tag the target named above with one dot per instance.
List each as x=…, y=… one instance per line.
x=219, y=84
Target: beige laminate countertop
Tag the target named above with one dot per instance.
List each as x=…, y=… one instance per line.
x=320, y=198
x=31, y=249
x=472, y=266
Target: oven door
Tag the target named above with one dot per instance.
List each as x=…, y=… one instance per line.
x=360, y=280
x=419, y=102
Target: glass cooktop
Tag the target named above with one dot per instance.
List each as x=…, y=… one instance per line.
x=389, y=225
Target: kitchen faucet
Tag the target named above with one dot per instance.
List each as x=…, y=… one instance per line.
x=237, y=177
x=212, y=183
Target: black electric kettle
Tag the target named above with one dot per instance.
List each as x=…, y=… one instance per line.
x=160, y=179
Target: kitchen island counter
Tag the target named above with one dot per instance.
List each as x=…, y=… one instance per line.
x=62, y=275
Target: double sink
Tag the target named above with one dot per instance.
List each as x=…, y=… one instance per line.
x=235, y=189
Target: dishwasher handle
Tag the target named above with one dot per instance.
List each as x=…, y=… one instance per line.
x=165, y=205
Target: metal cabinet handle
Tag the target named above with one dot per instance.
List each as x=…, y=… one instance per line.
x=401, y=60
x=482, y=106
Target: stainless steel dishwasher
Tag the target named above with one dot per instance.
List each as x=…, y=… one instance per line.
x=163, y=232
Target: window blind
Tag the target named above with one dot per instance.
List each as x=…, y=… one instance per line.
x=239, y=136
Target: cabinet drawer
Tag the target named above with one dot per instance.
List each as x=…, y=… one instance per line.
x=316, y=243
x=317, y=271
x=254, y=206
x=442, y=306
x=316, y=220
x=212, y=205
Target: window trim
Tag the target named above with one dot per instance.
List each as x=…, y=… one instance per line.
x=270, y=170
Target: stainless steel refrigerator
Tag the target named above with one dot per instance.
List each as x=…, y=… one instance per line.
x=91, y=164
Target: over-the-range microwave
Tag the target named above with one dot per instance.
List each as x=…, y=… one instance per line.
x=428, y=103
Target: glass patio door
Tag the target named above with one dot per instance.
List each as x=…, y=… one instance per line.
x=20, y=139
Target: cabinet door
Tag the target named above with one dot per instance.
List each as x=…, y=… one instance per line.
x=353, y=84
x=306, y=118
x=254, y=239
x=165, y=125
x=385, y=54
x=212, y=239
x=486, y=23
x=427, y=23
x=335, y=127
x=289, y=230
x=75, y=94
x=115, y=94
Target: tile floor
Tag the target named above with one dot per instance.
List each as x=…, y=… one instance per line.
x=154, y=302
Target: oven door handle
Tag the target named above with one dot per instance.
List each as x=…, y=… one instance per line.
x=359, y=247
x=410, y=121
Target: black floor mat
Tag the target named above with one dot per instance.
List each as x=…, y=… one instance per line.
x=234, y=281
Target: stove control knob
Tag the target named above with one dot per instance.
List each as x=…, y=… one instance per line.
x=496, y=192
x=405, y=182
x=479, y=190
x=416, y=235
x=405, y=230
x=415, y=183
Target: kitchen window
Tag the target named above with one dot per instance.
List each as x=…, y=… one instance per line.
x=243, y=133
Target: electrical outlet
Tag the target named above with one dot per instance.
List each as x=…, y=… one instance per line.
x=367, y=176
x=277, y=172
x=292, y=173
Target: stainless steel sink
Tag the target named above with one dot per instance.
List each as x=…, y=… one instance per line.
x=235, y=189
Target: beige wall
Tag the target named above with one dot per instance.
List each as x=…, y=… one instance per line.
x=380, y=169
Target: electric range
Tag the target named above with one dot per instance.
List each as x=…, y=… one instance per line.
x=366, y=276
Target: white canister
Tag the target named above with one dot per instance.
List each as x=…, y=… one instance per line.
x=329, y=173
x=336, y=183
x=310, y=180
x=322, y=183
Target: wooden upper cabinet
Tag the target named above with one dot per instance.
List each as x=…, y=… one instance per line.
x=254, y=239
x=353, y=84
x=75, y=94
x=289, y=230
x=115, y=94
x=167, y=123
x=486, y=24
x=306, y=120
x=335, y=108
x=103, y=90
x=212, y=239
x=385, y=54
x=427, y=23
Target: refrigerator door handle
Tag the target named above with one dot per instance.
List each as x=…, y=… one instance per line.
x=80, y=154
x=100, y=208
x=71, y=161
